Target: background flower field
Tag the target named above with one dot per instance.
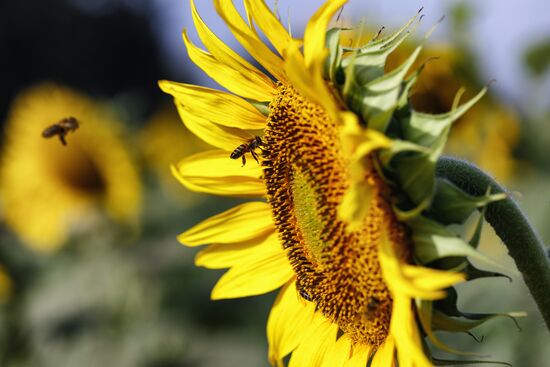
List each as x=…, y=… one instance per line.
x=119, y=290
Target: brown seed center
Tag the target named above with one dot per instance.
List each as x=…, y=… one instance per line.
x=306, y=176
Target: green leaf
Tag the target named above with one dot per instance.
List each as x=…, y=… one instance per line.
x=452, y=205
x=432, y=241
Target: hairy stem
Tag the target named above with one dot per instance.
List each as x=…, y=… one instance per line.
x=511, y=225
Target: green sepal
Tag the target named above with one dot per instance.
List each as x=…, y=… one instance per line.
x=403, y=102
x=473, y=273
x=425, y=314
x=410, y=165
x=399, y=146
x=432, y=241
x=452, y=205
x=476, y=236
x=369, y=60
x=376, y=101
x=415, y=174
x=333, y=66
x=447, y=316
x=463, y=265
x=431, y=130
x=450, y=362
x=263, y=107
x=367, y=89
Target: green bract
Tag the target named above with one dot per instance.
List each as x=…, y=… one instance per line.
x=427, y=204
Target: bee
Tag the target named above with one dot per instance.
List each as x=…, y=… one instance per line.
x=61, y=128
x=305, y=295
x=248, y=147
x=373, y=304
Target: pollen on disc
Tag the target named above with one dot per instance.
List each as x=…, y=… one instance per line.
x=306, y=176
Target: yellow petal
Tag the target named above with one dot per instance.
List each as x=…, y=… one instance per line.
x=226, y=55
x=432, y=279
x=385, y=355
x=249, y=39
x=222, y=256
x=225, y=75
x=267, y=272
x=312, y=350
x=413, y=281
x=288, y=323
x=404, y=329
x=269, y=24
x=425, y=315
x=226, y=138
x=219, y=107
x=359, y=141
x=241, y=223
x=213, y=172
x=314, y=35
x=339, y=353
x=309, y=81
x=360, y=356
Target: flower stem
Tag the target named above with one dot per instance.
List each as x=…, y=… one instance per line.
x=511, y=225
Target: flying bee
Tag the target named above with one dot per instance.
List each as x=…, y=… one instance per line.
x=61, y=128
x=247, y=147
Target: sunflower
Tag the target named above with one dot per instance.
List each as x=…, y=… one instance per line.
x=350, y=221
x=49, y=189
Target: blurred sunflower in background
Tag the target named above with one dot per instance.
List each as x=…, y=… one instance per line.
x=488, y=133
x=351, y=224
x=163, y=141
x=50, y=190
x=5, y=285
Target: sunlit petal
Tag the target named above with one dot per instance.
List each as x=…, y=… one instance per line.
x=225, y=75
x=219, y=107
x=215, y=173
x=227, y=227
x=249, y=39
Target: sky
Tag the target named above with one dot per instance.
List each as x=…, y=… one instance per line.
x=502, y=30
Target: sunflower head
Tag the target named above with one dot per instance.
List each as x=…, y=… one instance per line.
x=48, y=188
x=351, y=221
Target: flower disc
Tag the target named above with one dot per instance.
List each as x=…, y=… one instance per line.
x=306, y=175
